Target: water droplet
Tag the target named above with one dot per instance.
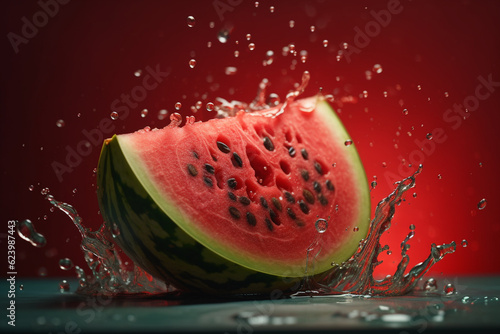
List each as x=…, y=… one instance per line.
x=21, y=287
x=428, y=136
x=162, y=114
x=251, y=46
x=192, y=63
x=31, y=187
x=64, y=286
x=405, y=112
x=27, y=231
x=312, y=28
x=446, y=94
x=321, y=225
x=75, y=191
x=209, y=44
x=223, y=36
x=138, y=73
x=355, y=229
x=419, y=87
x=348, y=142
x=373, y=184
x=256, y=4
x=178, y=105
x=249, y=36
x=325, y=43
x=198, y=105
x=144, y=113
x=482, y=204
x=414, y=195
x=449, y=289
x=464, y=243
x=45, y=191
x=377, y=68
x=271, y=9
x=210, y=106
x=60, y=123
x=191, y=21
x=236, y=53
x=412, y=227
x=385, y=93
x=114, y=115
x=273, y=99
x=365, y=94
x=65, y=264
x=291, y=23
x=439, y=177
x=430, y=285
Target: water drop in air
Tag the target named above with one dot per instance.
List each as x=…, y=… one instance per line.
x=64, y=286
x=162, y=114
x=377, y=68
x=144, y=113
x=191, y=21
x=192, y=63
x=27, y=231
x=405, y=112
x=449, y=289
x=249, y=36
x=60, y=123
x=464, y=243
x=271, y=9
x=482, y=204
x=348, y=142
x=251, y=46
x=312, y=28
x=325, y=43
x=138, y=73
x=430, y=285
x=45, y=191
x=210, y=106
x=178, y=105
x=65, y=264
x=428, y=136
x=256, y=4
x=114, y=115
x=236, y=54
x=223, y=36
x=31, y=187
x=321, y=225
x=291, y=23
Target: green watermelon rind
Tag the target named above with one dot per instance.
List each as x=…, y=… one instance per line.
x=168, y=248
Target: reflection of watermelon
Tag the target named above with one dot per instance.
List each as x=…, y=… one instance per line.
x=230, y=205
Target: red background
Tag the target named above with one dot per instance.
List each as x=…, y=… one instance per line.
x=85, y=57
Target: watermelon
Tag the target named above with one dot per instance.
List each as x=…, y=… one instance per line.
x=230, y=205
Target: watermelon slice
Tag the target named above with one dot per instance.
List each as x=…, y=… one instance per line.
x=230, y=205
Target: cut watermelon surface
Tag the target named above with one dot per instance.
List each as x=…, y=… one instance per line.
x=230, y=205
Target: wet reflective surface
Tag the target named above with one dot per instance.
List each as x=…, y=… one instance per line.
x=475, y=307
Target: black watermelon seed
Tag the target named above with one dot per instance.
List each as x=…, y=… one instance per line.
x=208, y=181
x=289, y=197
x=276, y=203
x=234, y=212
x=232, y=196
x=305, y=175
x=274, y=217
x=244, y=200
x=317, y=186
x=318, y=168
x=329, y=185
x=308, y=196
x=291, y=213
x=196, y=155
x=209, y=168
x=237, y=160
x=214, y=158
x=268, y=144
x=264, y=202
x=269, y=224
x=223, y=147
x=300, y=223
x=322, y=199
x=251, y=219
x=291, y=151
x=232, y=183
x=304, y=153
x=303, y=207
x=192, y=170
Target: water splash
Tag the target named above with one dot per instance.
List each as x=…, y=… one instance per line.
x=355, y=276
x=26, y=230
x=110, y=273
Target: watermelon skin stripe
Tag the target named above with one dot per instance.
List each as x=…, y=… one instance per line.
x=124, y=201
